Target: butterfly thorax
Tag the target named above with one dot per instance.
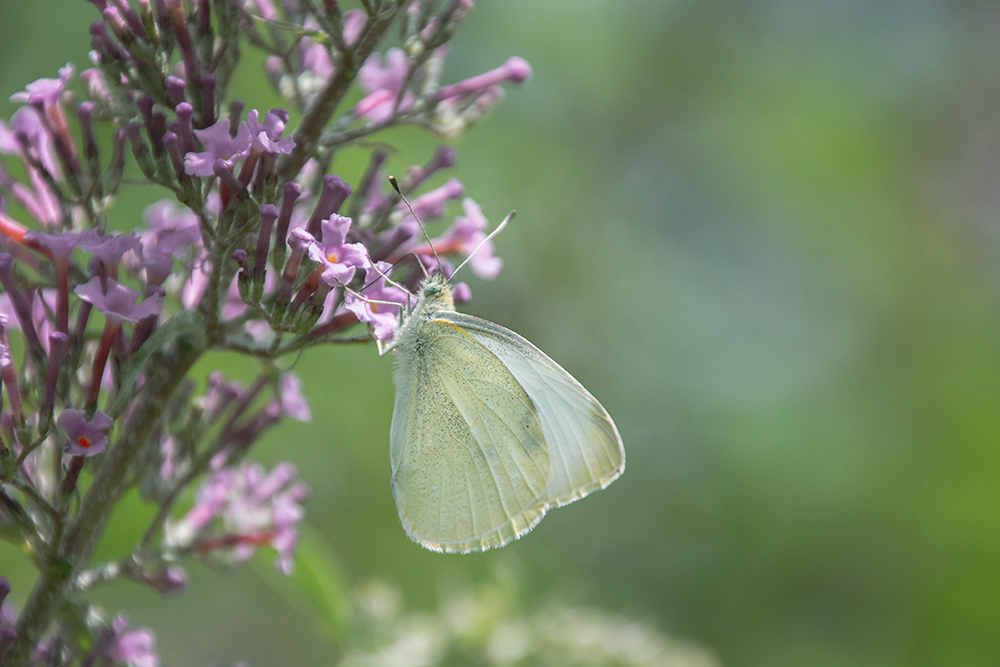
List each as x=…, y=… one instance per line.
x=434, y=297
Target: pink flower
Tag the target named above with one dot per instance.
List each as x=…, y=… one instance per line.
x=338, y=259
x=376, y=305
x=253, y=508
x=119, y=302
x=354, y=22
x=464, y=237
x=218, y=145
x=46, y=91
x=109, y=248
x=293, y=401
x=384, y=82
x=267, y=135
x=59, y=244
x=86, y=438
x=132, y=646
x=431, y=204
x=170, y=229
x=515, y=69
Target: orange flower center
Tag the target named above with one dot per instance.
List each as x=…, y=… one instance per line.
x=84, y=441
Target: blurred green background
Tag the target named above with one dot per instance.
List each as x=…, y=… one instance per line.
x=765, y=234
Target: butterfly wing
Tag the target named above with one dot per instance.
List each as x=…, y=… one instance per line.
x=468, y=455
x=585, y=450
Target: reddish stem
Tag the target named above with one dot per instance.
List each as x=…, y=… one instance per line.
x=100, y=360
x=336, y=323
x=62, y=289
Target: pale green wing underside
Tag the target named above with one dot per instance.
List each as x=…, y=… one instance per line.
x=467, y=450
x=585, y=450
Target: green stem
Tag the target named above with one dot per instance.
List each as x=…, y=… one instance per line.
x=82, y=534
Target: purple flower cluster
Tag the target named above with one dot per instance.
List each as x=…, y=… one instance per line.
x=259, y=249
x=240, y=509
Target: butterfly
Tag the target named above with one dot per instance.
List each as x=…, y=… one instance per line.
x=488, y=433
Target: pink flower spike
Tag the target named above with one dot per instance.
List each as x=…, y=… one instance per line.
x=86, y=438
x=119, y=303
x=254, y=507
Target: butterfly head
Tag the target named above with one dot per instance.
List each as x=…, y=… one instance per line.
x=437, y=290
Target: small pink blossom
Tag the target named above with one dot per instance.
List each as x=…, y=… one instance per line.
x=169, y=227
x=464, y=238
x=376, y=305
x=132, y=646
x=119, y=302
x=338, y=259
x=384, y=81
x=86, y=437
x=59, y=244
x=46, y=91
x=110, y=248
x=218, y=145
x=293, y=401
x=267, y=135
x=252, y=507
x=354, y=22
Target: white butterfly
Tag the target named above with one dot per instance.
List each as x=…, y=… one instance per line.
x=487, y=432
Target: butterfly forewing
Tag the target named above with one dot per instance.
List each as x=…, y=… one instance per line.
x=585, y=450
x=470, y=466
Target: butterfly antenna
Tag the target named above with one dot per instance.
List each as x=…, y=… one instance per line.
x=390, y=281
x=510, y=216
x=395, y=186
x=419, y=263
x=387, y=279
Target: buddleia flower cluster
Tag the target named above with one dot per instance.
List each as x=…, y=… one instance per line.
x=258, y=246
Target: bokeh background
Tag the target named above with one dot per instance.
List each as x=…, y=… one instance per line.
x=766, y=235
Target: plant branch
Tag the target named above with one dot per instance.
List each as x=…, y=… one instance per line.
x=81, y=536
x=326, y=102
